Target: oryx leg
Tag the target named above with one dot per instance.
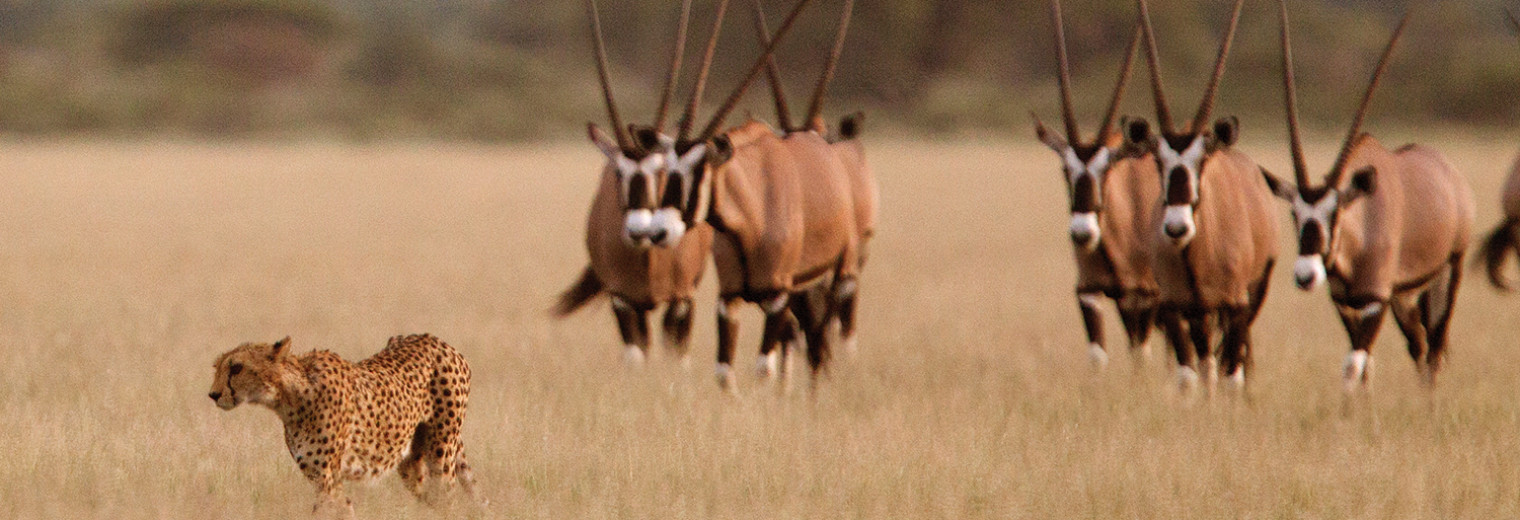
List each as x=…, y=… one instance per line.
x=1440, y=302
x=1092, y=321
x=1200, y=330
x=677, y=328
x=634, y=327
x=811, y=309
x=1409, y=313
x=780, y=330
x=728, y=337
x=1176, y=332
x=1235, y=347
x=1138, y=312
x=1362, y=317
x=845, y=296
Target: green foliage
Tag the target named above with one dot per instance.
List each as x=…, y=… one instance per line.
x=516, y=69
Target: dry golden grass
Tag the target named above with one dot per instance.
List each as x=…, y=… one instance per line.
x=126, y=268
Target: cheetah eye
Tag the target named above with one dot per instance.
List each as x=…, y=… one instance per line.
x=235, y=369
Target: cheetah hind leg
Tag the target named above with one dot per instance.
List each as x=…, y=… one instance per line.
x=466, y=479
x=411, y=469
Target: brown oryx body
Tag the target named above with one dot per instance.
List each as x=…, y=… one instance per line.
x=782, y=210
x=1387, y=229
x=626, y=225
x=1504, y=241
x=1216, y=238
x=1112, y=196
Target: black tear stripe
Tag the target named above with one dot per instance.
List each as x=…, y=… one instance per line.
x=1179, y=187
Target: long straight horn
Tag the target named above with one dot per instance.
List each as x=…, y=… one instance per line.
x=1124, y=73
x=816, y=108
x=1290, y=95
x=754, y=71
x=1361, y=111
x=1153, y=59
x=674, y=74
x=1211, y=93
x=618, y=130
x=783, y=112
x=1073, y=134
x=689, y=118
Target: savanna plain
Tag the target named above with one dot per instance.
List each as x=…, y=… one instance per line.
x=125, y=268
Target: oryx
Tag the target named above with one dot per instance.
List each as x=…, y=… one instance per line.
x=1112, y=195
x=1504, y=241
x=814, y=313
x=785, y=221
x=641, y=255
x=1216, y=237
x=1387, y=229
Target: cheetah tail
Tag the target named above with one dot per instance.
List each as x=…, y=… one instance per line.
x=587, y=288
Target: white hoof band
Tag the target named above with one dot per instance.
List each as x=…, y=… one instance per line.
x=767, y=365
x=1098, y=356
x=725, y=376
x=1355, y=370
x=1237, y=379
x=1187, y=378
x=633, y=356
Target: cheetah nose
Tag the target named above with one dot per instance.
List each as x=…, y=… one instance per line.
x=215, y=396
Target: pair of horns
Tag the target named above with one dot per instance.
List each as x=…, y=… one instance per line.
x=1210, y=93
x=620, y=131
x=1290, y=93
x=1073, y=133
x=815, y=107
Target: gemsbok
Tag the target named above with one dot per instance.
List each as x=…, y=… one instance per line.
x=638, y=256
x=864, y=191
x=1387, y=229
x=1112, y=196
x=1504, y=241
x=1217, y=236
x=783, y=210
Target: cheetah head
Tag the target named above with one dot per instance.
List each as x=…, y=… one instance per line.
x=251, y=373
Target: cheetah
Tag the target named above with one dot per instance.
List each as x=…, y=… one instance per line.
x=400, y=409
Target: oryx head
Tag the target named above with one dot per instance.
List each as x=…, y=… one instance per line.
x=638, y=156
x=685, y=194
x=1182, y=155
x=1317, y=209
x=1084, y=164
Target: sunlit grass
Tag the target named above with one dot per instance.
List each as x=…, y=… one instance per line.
x=126, y=268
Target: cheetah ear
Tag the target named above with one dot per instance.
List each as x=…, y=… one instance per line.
x=280, y=348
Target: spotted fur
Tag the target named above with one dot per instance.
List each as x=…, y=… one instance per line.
x=400, y=410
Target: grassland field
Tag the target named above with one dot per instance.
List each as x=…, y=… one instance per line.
x=125, y=268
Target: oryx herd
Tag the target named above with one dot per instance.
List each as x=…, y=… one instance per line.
x=1173, y=223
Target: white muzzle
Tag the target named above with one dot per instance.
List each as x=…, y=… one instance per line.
x=1178, y=226
x=638, y=227
x=669, y=221
x=1309, y=272
x=1084, y=231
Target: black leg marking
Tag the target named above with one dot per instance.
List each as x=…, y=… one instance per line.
x=1176, y=334
x=677, y=326
x=1092, y=319
x=1234, y=349
x=728, y=331
x=1439, y=315
x=810, y=309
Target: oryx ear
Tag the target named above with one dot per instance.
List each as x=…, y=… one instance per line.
x=1137, y=134
x=1048, y=137
x=720, y=151
x=280, y=348
x=647, y=137
x=1279, y=188
x=1363, y=182
x=603, y=142
x=851, y=126
x=1226, y=132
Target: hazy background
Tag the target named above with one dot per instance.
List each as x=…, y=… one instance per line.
x=504, y=70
